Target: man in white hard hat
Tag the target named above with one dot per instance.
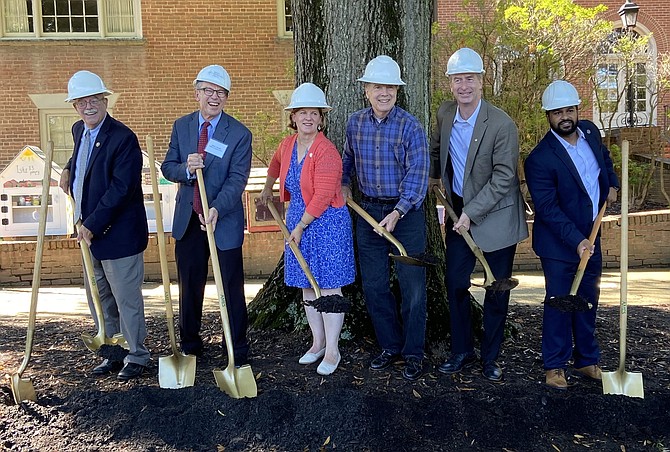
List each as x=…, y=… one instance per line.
x=211, y=140
x=474, y=156
x=570, y=176
x=107, y=190
x=387, y=149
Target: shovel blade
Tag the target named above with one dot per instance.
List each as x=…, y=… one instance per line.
x=93, y=343
x=176, y=371
x=22, y=389
x=623, y=383
x=236, y=382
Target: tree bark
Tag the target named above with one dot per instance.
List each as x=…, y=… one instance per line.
x=334, y=40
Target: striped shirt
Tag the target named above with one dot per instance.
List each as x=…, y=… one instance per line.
x=390, y=157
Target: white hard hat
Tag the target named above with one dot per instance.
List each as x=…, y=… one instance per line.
x=84, y=84
x=382, y=70
x=559, y=94
x=308, y=95
x=465, y=61
x=214, y=74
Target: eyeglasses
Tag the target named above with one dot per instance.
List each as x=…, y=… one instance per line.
x=209, y=92
x=94, y=102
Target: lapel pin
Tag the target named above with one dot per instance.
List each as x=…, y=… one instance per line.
x=97, y=145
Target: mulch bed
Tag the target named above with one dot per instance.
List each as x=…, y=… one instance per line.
x=354, y=409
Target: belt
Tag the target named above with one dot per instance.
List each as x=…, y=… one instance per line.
x=371, y=200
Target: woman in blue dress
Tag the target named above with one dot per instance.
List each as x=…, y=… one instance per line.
x=309, y=169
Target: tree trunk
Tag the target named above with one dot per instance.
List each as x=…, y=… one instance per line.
x=334, y=40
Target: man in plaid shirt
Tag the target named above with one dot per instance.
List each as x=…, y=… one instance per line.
x=387, y=149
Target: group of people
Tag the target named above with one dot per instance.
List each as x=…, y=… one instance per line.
x=472, y=156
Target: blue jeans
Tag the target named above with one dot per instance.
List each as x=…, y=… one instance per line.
x=406, y=337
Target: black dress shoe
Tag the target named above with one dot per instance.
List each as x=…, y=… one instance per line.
x=492, y=371
x=130, y=371
x=384, y=360
x=197, y=352
x=241, y=361
x=413, y=368
x=458, y=362
x=107, y=366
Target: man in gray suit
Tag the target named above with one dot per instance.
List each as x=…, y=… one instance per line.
x=218, y=144
x=474, y=155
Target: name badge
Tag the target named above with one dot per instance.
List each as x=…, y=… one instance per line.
x=216, y=147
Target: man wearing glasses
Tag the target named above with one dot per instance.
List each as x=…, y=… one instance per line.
x=218, y=144
x=109, y=209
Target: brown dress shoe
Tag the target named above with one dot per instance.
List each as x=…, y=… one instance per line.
x=555, y=378
x=592, y=372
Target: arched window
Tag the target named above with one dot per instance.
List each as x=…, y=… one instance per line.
x=625, y=90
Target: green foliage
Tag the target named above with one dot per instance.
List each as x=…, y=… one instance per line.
x=268, y=132
x=638, y=174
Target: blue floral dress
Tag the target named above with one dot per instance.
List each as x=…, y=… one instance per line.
x=327, y=244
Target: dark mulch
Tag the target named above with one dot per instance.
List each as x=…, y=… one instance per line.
x=354, y=409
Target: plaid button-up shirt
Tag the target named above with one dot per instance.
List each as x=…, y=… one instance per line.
x=390, y=157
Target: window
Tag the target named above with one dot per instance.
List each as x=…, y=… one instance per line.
x=70, y=19
x=284, y=19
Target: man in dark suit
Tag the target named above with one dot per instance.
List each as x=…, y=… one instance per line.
x=106, y=187
x=570, y=175
x=211, y=140
x=474, y=155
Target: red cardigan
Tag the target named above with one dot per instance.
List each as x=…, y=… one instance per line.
x=321, y=177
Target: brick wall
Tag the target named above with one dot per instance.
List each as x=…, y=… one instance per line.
x=152, y=76
x=649, y=246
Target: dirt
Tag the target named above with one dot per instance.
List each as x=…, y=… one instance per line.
x=355, y=409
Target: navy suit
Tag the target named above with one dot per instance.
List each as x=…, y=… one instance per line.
x=112, y=208
x=563, y=218
x=225, y=181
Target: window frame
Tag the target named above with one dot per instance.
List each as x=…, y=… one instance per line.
x=282, y=32
x=102, y=32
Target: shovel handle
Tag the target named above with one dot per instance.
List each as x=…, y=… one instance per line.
x=585, y=256
x=466, y=235
x=217, y=272
x=377, y=227
x=623, y=306
x=162, y=252
x=37, y=268
x=294, y=247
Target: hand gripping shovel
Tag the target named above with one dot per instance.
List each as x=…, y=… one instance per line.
x=236, y=382
x=22, y=388
x=490, y=282
x=622, y=382
x=177, y=370
x=417, y=261
x=329, y=303
x=573, y=302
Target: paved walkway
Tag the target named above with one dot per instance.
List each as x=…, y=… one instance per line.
x=645, y=288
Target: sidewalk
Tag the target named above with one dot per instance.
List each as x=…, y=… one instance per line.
x=645, y=288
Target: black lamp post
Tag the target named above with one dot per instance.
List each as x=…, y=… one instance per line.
x=628, y=13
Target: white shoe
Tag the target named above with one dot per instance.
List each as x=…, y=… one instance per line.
x=309, y=358
x=327, y=369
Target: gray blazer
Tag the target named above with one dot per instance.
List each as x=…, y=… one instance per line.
x=491, y=194
x=225, y=177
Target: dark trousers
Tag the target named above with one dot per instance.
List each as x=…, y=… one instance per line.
x=192, y=257
x=559, y=329
x=406, y=337
x=460, y=263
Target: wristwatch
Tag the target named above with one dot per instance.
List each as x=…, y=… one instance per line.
x=302, y=224
x=616, y=189
x=399, y=213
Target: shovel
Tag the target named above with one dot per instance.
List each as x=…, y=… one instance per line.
x=490, y=282
x=329, y=303
x=236, y=382
x=22, y=388
x=177, y=370
x=622, y=382
x=424, y=261
x=573, y=302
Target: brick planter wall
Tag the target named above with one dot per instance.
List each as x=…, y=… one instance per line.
x=649, y=246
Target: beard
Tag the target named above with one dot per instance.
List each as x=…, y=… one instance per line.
x=563, y=132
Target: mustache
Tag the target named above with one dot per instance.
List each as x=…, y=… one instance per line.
x=566, y=121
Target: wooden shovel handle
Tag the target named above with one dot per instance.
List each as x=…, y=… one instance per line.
x=377, y=227
x=294, y=247
x=586, y=255
x=162, y=252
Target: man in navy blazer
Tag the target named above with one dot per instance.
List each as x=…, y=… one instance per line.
x=225, y=159
x=570, y=176
x=107, y=190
